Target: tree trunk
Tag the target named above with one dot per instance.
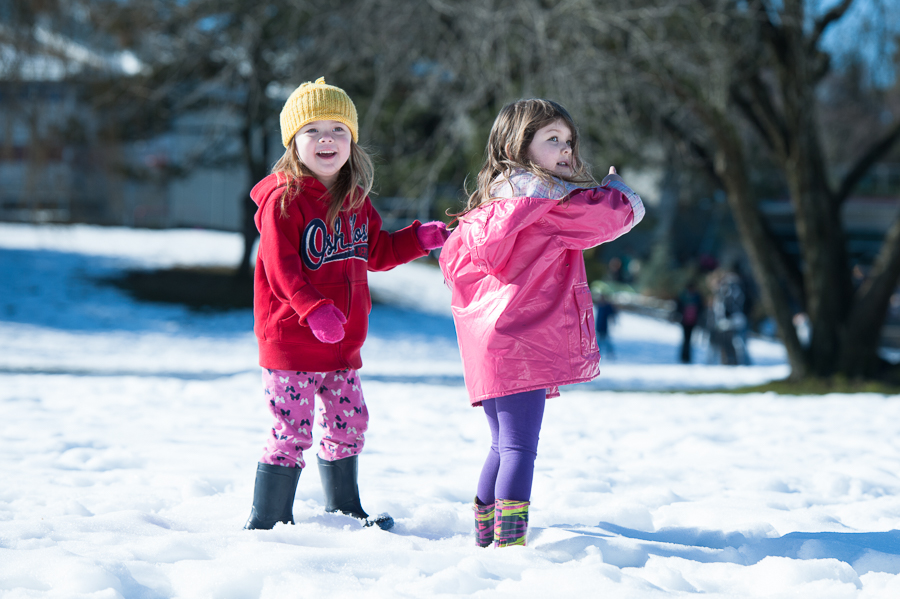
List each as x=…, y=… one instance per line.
x=249, y=232
x=257, y=169
x=823, y=251
x=859, y=351
x=817, y=215
x=763, y=257
x=255, y=137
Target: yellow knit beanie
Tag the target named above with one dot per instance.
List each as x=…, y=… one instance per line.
x=316, y=102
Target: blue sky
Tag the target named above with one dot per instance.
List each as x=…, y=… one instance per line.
x=870, y=29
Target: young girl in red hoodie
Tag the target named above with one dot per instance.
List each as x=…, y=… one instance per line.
x=319, y=235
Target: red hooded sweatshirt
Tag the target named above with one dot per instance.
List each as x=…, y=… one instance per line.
x=301, y=266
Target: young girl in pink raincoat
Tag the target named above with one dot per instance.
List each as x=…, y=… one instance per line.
x=521, y=301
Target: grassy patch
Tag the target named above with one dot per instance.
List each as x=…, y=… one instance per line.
x=818, y=386
x=197, y=288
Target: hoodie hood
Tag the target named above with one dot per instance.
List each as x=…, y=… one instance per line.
x=267, y=190
x=271, y=188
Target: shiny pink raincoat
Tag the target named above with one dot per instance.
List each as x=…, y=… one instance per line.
x=521, y=302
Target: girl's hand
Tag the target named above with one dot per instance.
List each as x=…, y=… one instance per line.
x=612, y=176
x=432, y=235
x=327, y=323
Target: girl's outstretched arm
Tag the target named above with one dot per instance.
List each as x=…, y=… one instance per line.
x=593, y=216
x=387, y=250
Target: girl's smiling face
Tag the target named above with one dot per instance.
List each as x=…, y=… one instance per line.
x=551, y=148
x=324, y=147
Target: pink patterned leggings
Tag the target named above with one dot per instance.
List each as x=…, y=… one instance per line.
x=342, y=414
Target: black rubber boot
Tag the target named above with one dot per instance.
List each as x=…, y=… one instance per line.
x=273, y=496
x=342, y=493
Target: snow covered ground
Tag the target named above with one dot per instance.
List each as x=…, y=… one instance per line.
x=129, y=434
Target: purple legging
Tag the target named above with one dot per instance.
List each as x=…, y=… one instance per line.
x=515, y=422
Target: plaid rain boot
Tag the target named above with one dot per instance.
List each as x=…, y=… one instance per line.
x=484, y=524
x=510, y=522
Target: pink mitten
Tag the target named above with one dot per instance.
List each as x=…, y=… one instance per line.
x=432, y=235
x=326, y=323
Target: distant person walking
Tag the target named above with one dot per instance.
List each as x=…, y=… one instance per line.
x=606, y=313
x=319, y=235
x=689, y=307
x=520, y=299
x=728, y=329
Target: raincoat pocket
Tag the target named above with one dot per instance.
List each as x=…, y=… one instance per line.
x=585, y=305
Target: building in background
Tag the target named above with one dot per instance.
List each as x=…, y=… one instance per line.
x=60, y=164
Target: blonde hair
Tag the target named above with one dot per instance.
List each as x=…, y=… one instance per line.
x=507, y=149
x=349, y=191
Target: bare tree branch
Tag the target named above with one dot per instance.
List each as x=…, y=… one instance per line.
x=761, y=113
x=871, y=304
x=827, y=19
x=698, y=150
x=772, y=31
x=879, y=148
x=882, y=279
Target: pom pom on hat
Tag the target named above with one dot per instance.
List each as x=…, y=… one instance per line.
x=316, y=102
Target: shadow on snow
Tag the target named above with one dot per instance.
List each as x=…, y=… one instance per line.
x=625, y=547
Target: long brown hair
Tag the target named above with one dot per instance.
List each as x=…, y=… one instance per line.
x=507, y=148
x=349, y=191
